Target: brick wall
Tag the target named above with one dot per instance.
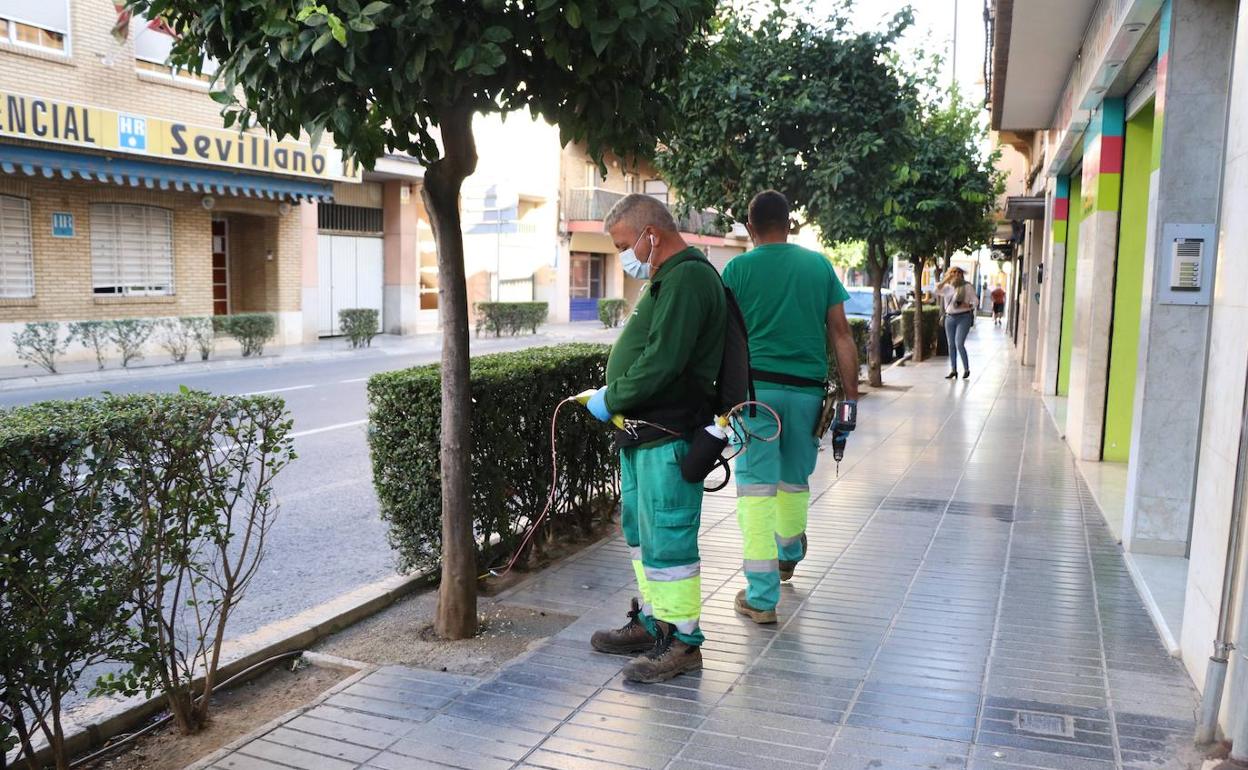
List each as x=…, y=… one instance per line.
x=63, y=265
x=101, y=72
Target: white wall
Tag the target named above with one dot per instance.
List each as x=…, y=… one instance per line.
x=1224, y=387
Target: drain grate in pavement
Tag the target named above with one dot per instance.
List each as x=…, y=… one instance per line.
x=1039, y=723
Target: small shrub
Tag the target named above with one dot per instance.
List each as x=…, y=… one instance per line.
x=129, y=334
x=359, y=324
x=132, y=527
x=40, y=343
x=96, y=335
x=202, y=334
x=510, y=317
x=931, y=328
x=251, y=330
x=611, y=312
x=176, y=337
x=514, y=396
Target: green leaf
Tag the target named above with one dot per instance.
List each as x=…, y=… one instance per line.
x=221, y=97
x=496, y=34
x=338, y=29
x=322, y=41
x=361, y=25
x=374, y=8
x=464, y=59
x=573, y=14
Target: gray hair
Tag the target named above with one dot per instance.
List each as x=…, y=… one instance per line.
x=639, y=211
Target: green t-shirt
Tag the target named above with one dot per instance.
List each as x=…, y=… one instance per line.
x=785, y=292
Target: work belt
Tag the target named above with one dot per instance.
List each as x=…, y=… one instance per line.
x=787, y=379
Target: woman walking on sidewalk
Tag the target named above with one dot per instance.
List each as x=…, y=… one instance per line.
x=959, y=304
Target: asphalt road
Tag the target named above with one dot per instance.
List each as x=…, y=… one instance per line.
x=328, y=538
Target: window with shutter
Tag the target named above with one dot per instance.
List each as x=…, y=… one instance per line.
x=17, y=263
x=131, y=249
x=35, y=23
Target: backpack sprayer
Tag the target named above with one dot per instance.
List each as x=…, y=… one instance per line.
x=705, y=452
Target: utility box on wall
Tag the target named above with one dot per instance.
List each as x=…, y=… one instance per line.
x=1185, y=262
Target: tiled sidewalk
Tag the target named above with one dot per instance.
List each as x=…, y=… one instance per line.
x=963, y=605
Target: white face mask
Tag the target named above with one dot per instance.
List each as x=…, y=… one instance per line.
x=634, y=266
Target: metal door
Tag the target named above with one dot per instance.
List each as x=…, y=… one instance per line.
x=350, y=275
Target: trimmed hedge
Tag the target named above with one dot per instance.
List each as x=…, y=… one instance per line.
x=514, y=396
x=510, y=317
x=860, y=329
x=611, y=312
x=251, y=330
x=359, y=324
x=931, y=328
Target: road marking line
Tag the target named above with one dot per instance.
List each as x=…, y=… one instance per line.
x=276, y=390
x=339, y=426
x=357, y=379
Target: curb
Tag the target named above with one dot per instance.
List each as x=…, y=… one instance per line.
x=308, y=628
x=363, y=670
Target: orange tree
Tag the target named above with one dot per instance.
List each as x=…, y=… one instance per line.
x=814, y=110
x=408, y=77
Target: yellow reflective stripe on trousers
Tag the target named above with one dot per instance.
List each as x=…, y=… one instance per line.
x=791, y=510
x=678, y=602
x=757, y=518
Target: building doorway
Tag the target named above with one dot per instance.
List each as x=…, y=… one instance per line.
x=220, y=267
x=586, y=286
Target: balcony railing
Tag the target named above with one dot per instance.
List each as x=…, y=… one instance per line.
x=592, y=204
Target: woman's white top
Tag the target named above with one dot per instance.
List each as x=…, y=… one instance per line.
x=948, y=295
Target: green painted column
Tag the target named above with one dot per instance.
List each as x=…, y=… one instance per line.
x=1128, y=286
x=1068, y=284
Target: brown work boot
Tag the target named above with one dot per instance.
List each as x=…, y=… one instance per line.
x=668, y=657
x=762, y=617
x=787, y=567
x=629, y=639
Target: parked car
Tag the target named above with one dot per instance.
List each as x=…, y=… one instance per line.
x=861, y=298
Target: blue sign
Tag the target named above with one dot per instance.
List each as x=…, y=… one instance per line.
x=132, y=132
x=62, y=224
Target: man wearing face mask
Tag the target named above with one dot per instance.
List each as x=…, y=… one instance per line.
x=661, y=370
x=792, y=302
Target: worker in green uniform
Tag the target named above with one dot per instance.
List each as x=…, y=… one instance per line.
x=661, y=375
x=793, y=307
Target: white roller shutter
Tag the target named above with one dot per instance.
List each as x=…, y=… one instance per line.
x=131, y=249
x=17, y=263
x=45, y=14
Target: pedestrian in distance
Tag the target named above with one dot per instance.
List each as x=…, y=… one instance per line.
x=793, y=307
x=662, y=369
x=998, y=306
x=959, y=303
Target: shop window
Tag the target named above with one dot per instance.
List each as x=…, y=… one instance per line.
x=42, y=24
x=17, y=264
x=131, y=250
x=591, y=174
x=153, y=44
x=586, y=281
x=630, y=183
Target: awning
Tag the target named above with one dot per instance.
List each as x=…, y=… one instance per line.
x=1019, y=207
x=51, y=164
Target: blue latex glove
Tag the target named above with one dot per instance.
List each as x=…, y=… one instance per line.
x=597, y=405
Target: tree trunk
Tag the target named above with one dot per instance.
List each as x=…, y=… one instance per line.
x=875, y=262
x=457, y=595
x=920, y=343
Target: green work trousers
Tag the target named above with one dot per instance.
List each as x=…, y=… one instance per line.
x=773, y=490
x=660, y=513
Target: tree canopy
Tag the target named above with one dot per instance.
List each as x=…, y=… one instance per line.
x=380, y=75
x=812, y=110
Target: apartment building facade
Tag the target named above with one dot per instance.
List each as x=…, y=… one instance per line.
x=1131, y=234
